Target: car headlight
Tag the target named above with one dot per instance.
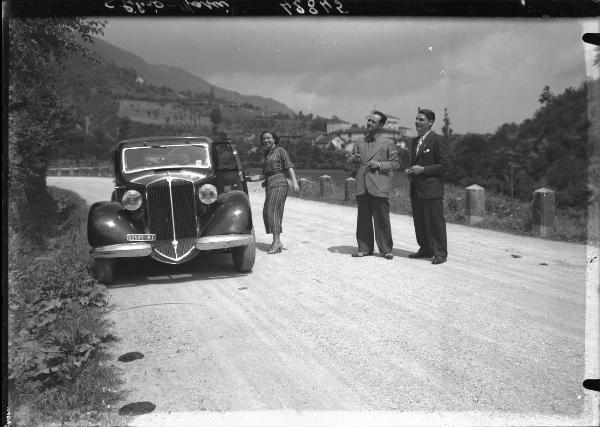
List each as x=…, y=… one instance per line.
x=207, y=194
x=131, y=200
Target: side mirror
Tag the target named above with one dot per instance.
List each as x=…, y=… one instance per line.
x=254, y=178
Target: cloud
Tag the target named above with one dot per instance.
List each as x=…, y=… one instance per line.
x=485, y=71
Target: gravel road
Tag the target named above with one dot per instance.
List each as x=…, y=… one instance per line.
x=494, y=336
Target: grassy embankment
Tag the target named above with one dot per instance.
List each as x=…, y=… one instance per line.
x=501, y=214
x=58, y=333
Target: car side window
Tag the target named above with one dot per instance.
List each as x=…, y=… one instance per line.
x=224, y=157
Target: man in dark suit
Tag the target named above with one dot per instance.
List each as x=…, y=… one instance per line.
x=429, y=162
x=375, y=157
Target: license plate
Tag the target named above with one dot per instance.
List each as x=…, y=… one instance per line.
x=141, y=237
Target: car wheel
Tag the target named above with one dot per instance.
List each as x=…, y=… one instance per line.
x=243, y=257
x=105, y=270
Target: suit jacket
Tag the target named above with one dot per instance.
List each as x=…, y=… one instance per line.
x=377, y=182
x=433, y=156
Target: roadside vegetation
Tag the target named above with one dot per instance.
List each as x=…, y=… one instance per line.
x=502, y=214
x=59, y=370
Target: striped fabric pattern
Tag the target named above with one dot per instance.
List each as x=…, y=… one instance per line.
x=273, y=208
x=276, y=162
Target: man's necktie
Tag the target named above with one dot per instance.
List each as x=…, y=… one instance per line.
x=420, y=143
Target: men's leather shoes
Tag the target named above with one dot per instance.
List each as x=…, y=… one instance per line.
x=419, y=254
x=361, y=254
x=438, y=260
x=388, y=255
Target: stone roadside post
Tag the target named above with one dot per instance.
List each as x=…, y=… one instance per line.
x=302, y=184
x=474, y=204
x=543, y=212
x=324, y=185
x=349, y=188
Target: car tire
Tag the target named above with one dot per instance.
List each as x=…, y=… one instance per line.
x=105, y=270
x=243, y=257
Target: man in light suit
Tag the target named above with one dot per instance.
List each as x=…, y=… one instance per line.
x=375, y=157
x=429, y=163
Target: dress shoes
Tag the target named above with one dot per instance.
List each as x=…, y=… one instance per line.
x=388, y=255
x=419, y=254
x=438, y=260
x=275, y=249
x=361, y=254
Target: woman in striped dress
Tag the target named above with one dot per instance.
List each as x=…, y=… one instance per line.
x=276, y=186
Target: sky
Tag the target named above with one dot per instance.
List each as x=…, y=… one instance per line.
x=486, y=72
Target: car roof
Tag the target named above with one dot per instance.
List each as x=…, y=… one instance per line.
x=166, y=140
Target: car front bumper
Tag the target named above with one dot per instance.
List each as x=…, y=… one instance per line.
x=142, y=249
x=224, y=241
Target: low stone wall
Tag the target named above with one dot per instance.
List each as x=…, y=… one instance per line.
x=81, y=171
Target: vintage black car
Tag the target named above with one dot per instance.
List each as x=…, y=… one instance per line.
x=173, y=197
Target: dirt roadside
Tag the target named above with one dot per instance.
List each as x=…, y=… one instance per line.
x=499, y=329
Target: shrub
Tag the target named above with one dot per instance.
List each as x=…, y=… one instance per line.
x=502, y=214
x=57, y=330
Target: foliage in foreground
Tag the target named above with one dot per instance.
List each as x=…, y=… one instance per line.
x=37, y=116
x=57, y=332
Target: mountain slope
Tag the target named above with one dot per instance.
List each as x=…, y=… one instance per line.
x=179, y=79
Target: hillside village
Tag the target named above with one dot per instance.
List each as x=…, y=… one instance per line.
x=189, y=113
x=121, y=96
x=111, y=100
x=341, y=135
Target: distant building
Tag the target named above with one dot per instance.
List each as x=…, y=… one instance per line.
x=336, y=124
x=392, y=123
x=350, y=136
x=325, y=142
x=139, y=80
x=407, y=132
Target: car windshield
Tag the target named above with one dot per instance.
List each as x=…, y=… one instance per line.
x=158, y=156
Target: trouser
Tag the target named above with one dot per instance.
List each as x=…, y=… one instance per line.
x=373, y=211
x=430, y=225
x=273, y=208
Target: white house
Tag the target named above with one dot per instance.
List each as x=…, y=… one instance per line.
x=393, y=123
x=337, y=124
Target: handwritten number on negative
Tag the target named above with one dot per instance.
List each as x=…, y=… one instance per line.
x=286, y=6
x=131, y=6
x=296, y=7
x=326, y=5
x=299, y=8
x=340, y=7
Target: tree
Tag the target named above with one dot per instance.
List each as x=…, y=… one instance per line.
x=37, y=117
x=211, y=95
x=215, y=118
x=447, y=131
x=546, y=96
x=318, y=124
x=124, y=127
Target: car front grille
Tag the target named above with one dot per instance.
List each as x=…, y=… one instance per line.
x=172, y=217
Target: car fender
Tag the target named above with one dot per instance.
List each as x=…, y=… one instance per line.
x=231, y=215
x=109, y=223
